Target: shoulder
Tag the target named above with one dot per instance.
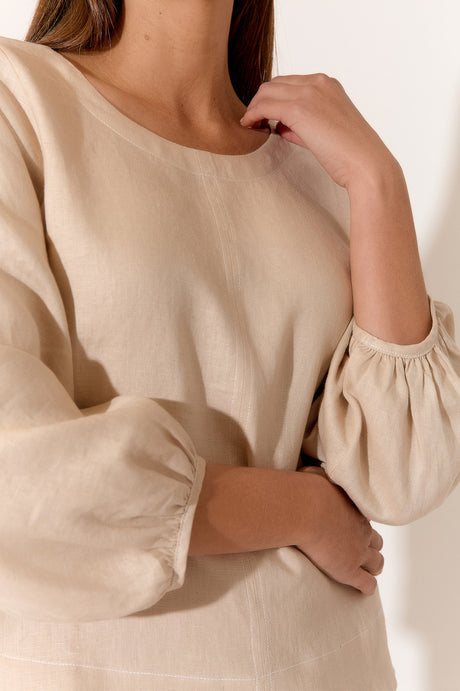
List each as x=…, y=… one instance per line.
x=16, y=48
x=21, y=67
x=28, y=69
x=15, y=53
x=15, y=57
x=23, y=70
x=35, y=84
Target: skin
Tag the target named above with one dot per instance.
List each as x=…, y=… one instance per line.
x=171, y=79
x=314, y=111
x=175, y=81
x=343, y=543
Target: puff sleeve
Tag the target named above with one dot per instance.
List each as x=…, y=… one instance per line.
x=96, y=504
x=388, y=421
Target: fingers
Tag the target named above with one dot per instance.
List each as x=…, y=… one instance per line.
x=259, y=124
x=374, y=562
x=365, y=582
x=263, y=108
x=271, y=102
x=376, y=541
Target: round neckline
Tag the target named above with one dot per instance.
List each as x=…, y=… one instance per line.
x=261, y=161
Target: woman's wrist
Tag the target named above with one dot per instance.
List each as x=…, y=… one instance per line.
x=389, y=294
x=377, y=177
x=242, y=509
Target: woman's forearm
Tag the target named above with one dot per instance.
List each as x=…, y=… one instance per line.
x=315, y=112
x=241, y=509
x=389, y=295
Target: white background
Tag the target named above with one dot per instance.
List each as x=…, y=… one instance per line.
x=399, y=61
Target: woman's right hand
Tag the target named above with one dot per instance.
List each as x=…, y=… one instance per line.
x=341, y=542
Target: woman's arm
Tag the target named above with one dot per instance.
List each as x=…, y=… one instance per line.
x=389, y=295
x=390, y=373
x=242, y=509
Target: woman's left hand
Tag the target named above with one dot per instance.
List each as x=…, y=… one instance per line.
x=314, y=111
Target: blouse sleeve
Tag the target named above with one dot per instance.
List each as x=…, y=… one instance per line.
x=96, y=504
x=388, y=421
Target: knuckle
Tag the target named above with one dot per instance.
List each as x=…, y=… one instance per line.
x=254, y=108
x=321, y=80
x=335, y=81
x=377, y=570
x=262, y=102
x=377, y=567
x=376, y=540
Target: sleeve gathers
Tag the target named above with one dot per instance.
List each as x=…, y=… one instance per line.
x=388, y=427
x=96, y=504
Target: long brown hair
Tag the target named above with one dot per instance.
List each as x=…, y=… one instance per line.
x=85, y=25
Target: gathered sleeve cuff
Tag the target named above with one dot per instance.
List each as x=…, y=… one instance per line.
x=388, y=426
x=96, y=503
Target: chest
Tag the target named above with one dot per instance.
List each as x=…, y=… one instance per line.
x=194, y=271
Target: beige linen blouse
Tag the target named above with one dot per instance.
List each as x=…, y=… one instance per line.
x=161, y=307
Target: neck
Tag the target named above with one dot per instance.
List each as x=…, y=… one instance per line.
x=173, y=54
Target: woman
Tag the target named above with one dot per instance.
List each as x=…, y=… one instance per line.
x=178, y=341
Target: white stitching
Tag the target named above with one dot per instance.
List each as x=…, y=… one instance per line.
x=228, y=279
x=330, y=652
x=123, y=671
x=246, y=350
x=183, y=676
x=267, y=640
x=251, y=622
x=233, y=255
x=123, y=136
x=175, y=165
x=393, y=352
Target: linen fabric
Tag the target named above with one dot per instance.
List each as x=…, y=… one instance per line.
x=162, y=307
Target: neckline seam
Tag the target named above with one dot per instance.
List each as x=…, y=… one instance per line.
x=195, y=152
x=88, y=93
